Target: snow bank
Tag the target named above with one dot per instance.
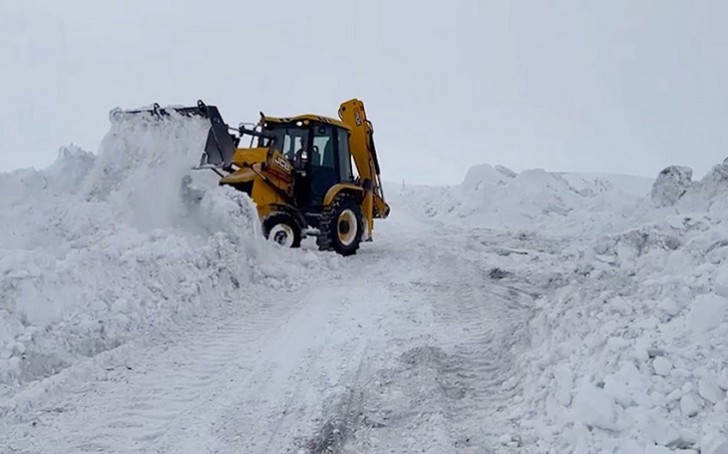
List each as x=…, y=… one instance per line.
x=631, y=354
x=629, y=344
x=96, y=249
x=563, y=204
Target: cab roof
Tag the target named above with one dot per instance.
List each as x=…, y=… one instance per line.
x=305, y=119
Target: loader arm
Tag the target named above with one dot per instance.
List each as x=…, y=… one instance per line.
x=361, y=144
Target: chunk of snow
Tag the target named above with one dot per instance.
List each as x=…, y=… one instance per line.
x=720, y=282
x=671, y=184
x=709, y=390
x=594, y=407
x=618, y=390
x=485, y=177
x=658, y=429
x=722, y=379
x=632, y=447
x=564, y=382
x=707, y=312
x=689, y=406
x=716, y=181
x=670, y=307
x=662, y=366
x=714, y=443
x=657, y=449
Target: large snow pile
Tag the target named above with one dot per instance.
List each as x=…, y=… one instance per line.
x=631, y=355
x=98, y=248
x=564, y=204
x=629, y=340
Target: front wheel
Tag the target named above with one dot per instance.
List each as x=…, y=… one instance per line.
x=341, y=226
x=282, y=228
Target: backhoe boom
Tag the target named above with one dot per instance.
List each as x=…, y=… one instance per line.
x=364, y=153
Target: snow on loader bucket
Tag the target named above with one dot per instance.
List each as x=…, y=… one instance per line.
x=220, y=145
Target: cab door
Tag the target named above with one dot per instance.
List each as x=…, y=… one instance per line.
x=323, y=170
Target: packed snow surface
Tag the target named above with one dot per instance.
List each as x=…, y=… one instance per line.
x=532, y=312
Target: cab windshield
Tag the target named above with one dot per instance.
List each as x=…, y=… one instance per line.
x=289, y=139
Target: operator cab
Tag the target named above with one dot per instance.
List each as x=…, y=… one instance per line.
x=319, y=151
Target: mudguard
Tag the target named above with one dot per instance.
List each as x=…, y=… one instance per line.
x=335, y=190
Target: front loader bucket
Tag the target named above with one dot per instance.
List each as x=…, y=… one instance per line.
x=220, y=144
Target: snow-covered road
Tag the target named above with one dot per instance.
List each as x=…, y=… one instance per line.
x=409, y=345
x=531, y=312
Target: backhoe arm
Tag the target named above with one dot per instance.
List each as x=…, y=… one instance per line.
x=361, y=145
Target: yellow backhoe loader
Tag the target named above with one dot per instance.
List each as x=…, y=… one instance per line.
x=298, y=171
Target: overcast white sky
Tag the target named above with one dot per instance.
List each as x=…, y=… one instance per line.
x=618, y=86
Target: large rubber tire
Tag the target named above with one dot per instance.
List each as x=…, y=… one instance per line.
x=284, y=229
x=341, y=226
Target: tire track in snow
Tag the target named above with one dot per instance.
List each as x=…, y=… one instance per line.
x=479, y=330
x=132, y=405
x=457, y=372
x=484, y=356
x=250, y=377
x=369, y=360
x=310, y=368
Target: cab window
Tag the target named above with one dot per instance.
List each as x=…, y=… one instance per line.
x=322, y=154
x=344, y=155
x=289, y=140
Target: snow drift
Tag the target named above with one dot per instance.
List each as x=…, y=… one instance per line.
x=98, y=248
x=629, y=355
x=629, y=344
x=535, y=200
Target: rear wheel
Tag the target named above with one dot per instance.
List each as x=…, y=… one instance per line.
x=341, y=226
x=282, y=228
